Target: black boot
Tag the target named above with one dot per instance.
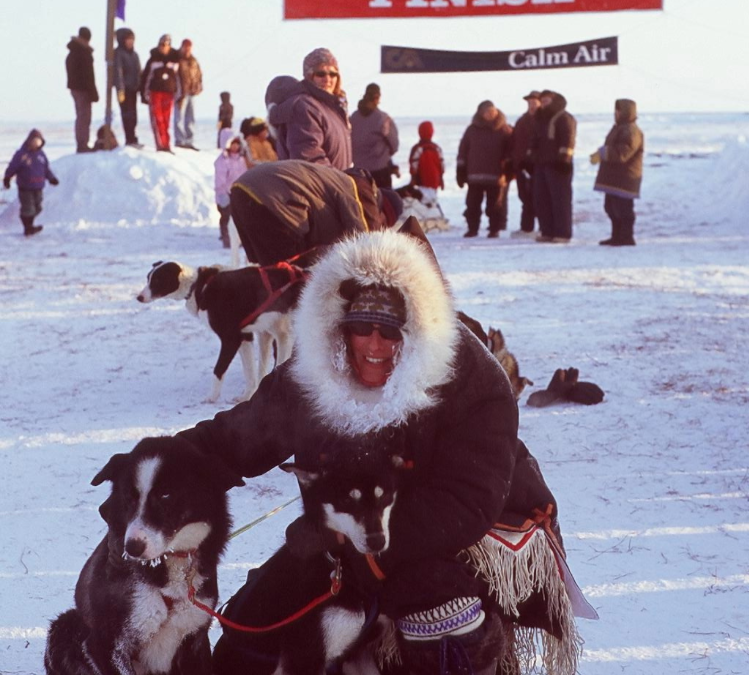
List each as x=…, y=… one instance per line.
x=29, y=229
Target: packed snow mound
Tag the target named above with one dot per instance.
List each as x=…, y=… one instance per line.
x=727, y=195
x=127, y=187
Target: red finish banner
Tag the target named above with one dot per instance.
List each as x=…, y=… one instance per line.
x=406, y=9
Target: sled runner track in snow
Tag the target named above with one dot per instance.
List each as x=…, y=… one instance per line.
x=663, y=531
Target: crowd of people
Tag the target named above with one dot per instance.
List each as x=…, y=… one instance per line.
x=308, y=119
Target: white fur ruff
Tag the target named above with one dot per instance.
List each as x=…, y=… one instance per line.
x=430, y=334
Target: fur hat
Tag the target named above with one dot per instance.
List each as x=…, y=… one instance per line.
x=318, y=57
x=376, y=304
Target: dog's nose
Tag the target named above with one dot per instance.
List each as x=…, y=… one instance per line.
x=140, y=298
x=135, y=547
x=376, y=541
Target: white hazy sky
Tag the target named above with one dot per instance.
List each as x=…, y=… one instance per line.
x=692, y=56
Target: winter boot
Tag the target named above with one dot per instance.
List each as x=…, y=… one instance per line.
x=29, y=229
x=224, y=236
x=473, y=653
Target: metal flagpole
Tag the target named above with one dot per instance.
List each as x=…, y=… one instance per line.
x=109, y=56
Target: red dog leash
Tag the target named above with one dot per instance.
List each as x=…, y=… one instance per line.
x=335, y=588
x=296, y=275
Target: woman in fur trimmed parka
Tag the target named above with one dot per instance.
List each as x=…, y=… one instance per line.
x=380, y=350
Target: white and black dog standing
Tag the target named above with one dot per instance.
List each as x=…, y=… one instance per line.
x=168, y=524
x=239, y=306
x=352, y=493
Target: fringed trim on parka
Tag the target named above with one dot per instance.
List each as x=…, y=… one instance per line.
x=430, y=334
x=516, y=565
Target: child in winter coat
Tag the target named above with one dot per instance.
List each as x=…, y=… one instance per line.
x=229, y=166
x=427, y=166
x=30, y=166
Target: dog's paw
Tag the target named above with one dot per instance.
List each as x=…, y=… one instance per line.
x=246, y=395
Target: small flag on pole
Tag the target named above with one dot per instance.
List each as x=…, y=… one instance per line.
x=120, y=13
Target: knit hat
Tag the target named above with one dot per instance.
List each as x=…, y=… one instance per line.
x=84, y=33
x=318, y=57
x=377, y=304
x=165, y=39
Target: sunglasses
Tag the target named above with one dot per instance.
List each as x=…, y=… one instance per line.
x=365, y=329
x=325, y=73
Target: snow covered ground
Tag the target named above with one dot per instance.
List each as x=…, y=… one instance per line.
x=653, y=484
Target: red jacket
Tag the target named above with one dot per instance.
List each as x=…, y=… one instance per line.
x=426, y=161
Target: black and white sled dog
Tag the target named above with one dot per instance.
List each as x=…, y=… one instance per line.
x=168, y=524
x=352, y=493
x=251, y=304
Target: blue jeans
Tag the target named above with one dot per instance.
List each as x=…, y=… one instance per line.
x=184, y=121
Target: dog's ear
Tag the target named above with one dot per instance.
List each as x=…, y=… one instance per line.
x=224, y=477
x=112, y=468
x=105, y=509
x=304, y=477
x=157, y=263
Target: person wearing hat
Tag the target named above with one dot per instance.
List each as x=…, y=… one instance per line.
x=381, y=354
x=191, y=84
x=225, y=115
x=159, y=86
x=551, y=151
x=282, y=209
x=127, y=72
x=620, y=172
x=259, y=144
x=79, y=64
x=484, y=163
x=374, y=138
x=522, y=167
x=311, y=116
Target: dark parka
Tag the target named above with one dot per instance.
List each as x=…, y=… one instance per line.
x=620, y=171
x=485, y=150
x=161, y=74
x=522, y=136
x=447, y=394
x=127, y=70
x=312, y=125
x=80, y=68
x=320, y=203
x=554, y=133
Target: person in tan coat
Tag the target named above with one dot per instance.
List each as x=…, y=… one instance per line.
x=191, y=79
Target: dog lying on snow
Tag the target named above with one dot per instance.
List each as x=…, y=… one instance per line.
x=168, y=524
x=352, y=493
x=240, y=306
x=494, y=341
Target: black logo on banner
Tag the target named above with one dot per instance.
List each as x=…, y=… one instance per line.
x=601, y=52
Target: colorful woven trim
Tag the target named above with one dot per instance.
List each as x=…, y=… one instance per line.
x=456, y=617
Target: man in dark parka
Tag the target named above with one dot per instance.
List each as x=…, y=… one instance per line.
x=80, y=68
x=620, y=172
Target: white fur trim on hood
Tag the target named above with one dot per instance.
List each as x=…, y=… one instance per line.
x=430, y=334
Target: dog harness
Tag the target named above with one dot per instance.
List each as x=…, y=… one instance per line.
x=296, y=275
